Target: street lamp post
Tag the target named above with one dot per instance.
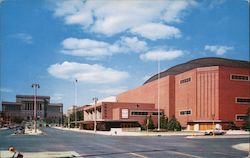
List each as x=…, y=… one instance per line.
x=35, y=86
x=95, y=100
x=68, y=120
x=75, y=103
x=213, y=116
x=158, y=92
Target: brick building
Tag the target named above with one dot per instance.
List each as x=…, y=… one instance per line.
x=199, y=93
x=24, y=108
x=121, y=111
x=109, y=113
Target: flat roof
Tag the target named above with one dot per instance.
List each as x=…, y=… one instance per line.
x=55, y=104
x=10, y=103
x=32, y=96
x=88, y=107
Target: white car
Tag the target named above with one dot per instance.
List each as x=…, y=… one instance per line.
x=215, y=131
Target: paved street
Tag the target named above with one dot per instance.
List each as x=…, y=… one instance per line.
x=89, y=145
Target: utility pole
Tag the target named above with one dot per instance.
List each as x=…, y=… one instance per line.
x=35, y=86
x=95, y=100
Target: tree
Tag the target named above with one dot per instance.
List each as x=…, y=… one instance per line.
x=150, y=123
x=246, y=124
x=79, y=116
x=164, y=122
x=174, y=125
x=18, y=119
x=144, y=126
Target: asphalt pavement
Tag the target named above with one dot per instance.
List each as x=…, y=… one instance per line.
x=91, y=145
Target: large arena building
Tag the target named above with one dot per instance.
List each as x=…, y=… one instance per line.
x=200, y=93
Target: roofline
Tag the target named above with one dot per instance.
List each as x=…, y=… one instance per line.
x=14, y=103
x=55, y=104
x=168, y=72
x=32, y=96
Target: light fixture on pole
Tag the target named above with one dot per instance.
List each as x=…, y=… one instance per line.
x=158, y=93
x=35, y=86
x=75, y=103
x=95, y=100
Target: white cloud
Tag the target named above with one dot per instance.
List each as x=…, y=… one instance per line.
x=112, y=17
x=128, y=44
x=87, y=47
x=218, y=49
x=213, y=4
x=26, y=38
x=110, y=90
x=161, y=55
x=98, y=49
x=6, y=90
x=156, y=31
x=96, y=74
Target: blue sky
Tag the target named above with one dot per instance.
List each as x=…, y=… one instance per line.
x=111, y=47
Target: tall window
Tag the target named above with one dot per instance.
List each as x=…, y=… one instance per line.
x=240, y=77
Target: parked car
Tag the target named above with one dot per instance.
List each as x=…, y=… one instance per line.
x=19, y=130
x=215, y=131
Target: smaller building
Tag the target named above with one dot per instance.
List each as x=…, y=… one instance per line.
x=118, y=115
x=23, y=109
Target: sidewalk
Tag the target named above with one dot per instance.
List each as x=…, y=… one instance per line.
x=32, y=132
x=8, y=154
x=217, y=136
x=4, y=128
x=242, y=146
x=118, y=132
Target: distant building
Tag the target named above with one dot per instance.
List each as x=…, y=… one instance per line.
x=23, y=108
x=71, y=110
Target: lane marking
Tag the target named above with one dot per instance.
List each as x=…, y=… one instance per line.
x=183, y=154
x=221, y=153
x=138, y=155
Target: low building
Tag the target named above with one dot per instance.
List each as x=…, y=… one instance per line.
x=23, y=109
x=117, y=115
x=120, y=111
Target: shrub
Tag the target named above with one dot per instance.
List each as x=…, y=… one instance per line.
x=150, y=123
x=164, y=122
x=174, y=125
x=246, y=123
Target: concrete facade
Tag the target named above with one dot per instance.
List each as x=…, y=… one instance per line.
x=24, y=108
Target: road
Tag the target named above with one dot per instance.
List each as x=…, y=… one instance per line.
x=90, y=145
